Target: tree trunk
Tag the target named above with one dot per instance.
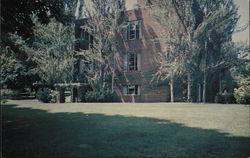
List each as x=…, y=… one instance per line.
x=113, y=81
x=205, y=75
x=204, y=88
x=171, y=89
x=189, y=87
x=199, y=92
x=220, y=83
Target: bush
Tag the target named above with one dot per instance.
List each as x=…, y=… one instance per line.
x=99, y=96
x=242, y=94
x=53, y=95
x=219, y=98
x=44, y=95
x=81, y=93
x=230, y=99
x=10, y=94
x=225, y=98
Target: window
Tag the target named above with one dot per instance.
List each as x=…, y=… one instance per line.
x=134, y=29
x=85, y=39
x=132, y=61
x=84, y=34
x=148, y=3
x=131, y=90
x=85, y=66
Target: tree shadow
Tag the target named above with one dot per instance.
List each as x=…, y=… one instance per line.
x=33, y=133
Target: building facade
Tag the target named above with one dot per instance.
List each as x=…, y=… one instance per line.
x=139, y=52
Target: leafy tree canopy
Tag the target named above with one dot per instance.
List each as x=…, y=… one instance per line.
x=16, y=15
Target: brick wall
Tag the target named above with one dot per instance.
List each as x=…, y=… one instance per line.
x=149, y=45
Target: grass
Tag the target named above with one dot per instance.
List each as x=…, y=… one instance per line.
x=71, y=130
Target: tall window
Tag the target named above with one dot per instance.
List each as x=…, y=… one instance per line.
x=86, y=40
x=134, y=30
x=132, y=61
x=85, y=66
x=131, y=90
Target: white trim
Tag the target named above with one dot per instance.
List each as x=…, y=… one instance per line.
x=136, y=23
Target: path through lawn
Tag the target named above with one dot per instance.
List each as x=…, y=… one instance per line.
x=179, y=130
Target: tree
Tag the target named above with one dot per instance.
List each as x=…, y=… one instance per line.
x=202, y=23
x=52, y=49
x=17, y=35
x=103, y=25
x=219, y=22
x=16, y=15
x=179, y=44
x=16, y=66
x=240, y=71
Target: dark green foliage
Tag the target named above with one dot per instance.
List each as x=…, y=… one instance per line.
x=82, y=92
x=157, y=84
x=241, y=75
x=44, y=95
x=225, y=98
x=10, y=94
x=52, y=50
x=16, y=15
x=99, y=96
x=17, y=69
x=219, y=98
x=230, y=99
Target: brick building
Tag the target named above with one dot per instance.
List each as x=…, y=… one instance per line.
x=138, y=53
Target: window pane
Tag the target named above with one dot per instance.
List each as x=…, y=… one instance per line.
x=137, y=31
x=86, y=37
x=132, y=61
x=135, y=62
x=132, y=26
x=132, y=31
x=136, y=89
x=132, y=34
x=131, y=89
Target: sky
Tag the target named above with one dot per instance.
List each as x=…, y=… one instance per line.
x=243, y=12
x=130, y=4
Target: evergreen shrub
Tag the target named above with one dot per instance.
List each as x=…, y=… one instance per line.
x=99, y=96
x=242, y=94
x=44, y=95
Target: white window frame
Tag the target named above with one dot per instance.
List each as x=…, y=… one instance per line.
x=137, y=25
x=135, y=87
x=136, y=62
x=132, y=64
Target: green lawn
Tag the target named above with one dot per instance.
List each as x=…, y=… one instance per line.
x=76, y=130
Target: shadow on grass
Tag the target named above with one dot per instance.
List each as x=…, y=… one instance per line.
x=29, y=133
